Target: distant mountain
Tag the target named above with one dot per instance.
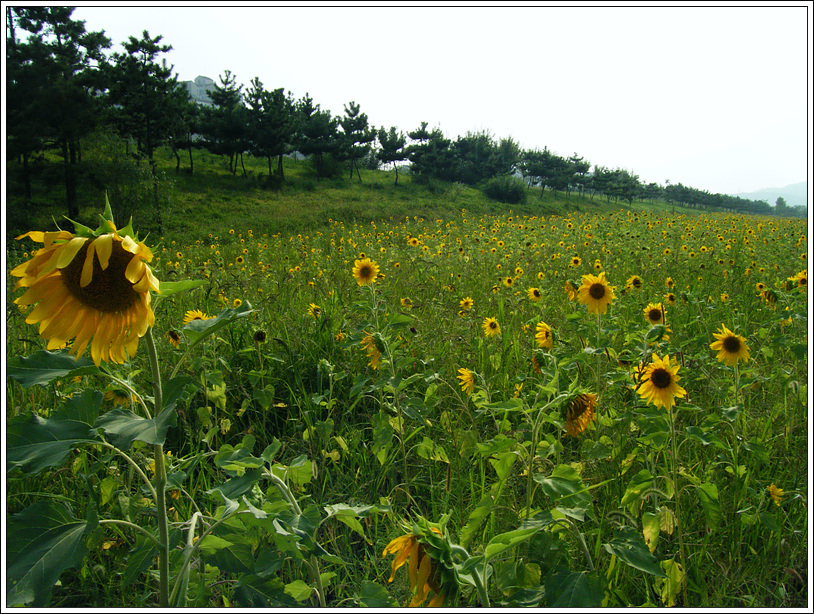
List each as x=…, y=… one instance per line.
x=795, y=194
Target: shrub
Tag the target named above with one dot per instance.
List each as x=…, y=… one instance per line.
x=506, y=190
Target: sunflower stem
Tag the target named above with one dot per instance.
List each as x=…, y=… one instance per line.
x=674, y=459
x=160, y=481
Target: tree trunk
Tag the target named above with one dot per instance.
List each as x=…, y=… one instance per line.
x=280, y=167
x=27, y=176
x=191, y=164
x=156, y=202
x=396, y=168
x=243, y=166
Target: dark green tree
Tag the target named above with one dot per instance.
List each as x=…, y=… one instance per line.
x=316, y=134
x=52, y=78
x=780, y=207
x=271, y=124
x=224, y=126
x=431, y=155
x=391, y=148
x=357, y=136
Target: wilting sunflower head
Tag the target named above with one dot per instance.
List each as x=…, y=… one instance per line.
x=93, y=288
x=428, y=555
x=579, y=412
x=467, y=380
x=595, y=293
x=659, y=382
x=365, y=271
x=730, y=347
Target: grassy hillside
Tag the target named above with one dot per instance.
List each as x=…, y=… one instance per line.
x=211, y=198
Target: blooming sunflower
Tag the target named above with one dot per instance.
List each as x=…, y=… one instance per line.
x=426, y=573
x=535, y=294
x=730, y=347
x=365, y=271
x=659, y=382
x=466, y=303
x=467, y=382
x=571, y=291
x=195, y=314
x=92, y=289
x=579, y=413
x=801, y=279
x=654, y=313
x=634, y=282
x=595, y=293
x=543, y=335
x=490, y=327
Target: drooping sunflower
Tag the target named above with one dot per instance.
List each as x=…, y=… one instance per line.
x=491, y=327
x=174, y=338
x=543, y=336
x=775, y=493
x=579, y=412
x=365, y=271
x=659, y=382
x=654, y=313
x=595, y=293
x=406, y=303
x=423, y=552
x=374, y=354
x=571, y=291
x=467, y=382
x=535, y=294
x=730, y=347
x=90, y=289
x=195, y=314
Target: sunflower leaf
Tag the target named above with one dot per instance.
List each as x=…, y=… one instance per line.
x=198, y=330
x=123, y=427
x=629, y=546
x=43, y=366
x=35, y=443
x=43, y=541
x=168, y=288
x=573, y=589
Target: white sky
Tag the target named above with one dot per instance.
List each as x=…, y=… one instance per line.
x=714, y=97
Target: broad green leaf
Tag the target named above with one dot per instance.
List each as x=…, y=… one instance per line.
x=504, y=541
x=431, y=451
x=350, y=515
x=197, y=330
x=476, y=518
x=502, y=464
x=565, y=487
x=628, y=545
x=300, y=471
x=651, y=528
x=236, y=459
x=640, y=483
x=671, y=586
x=123, y=427
x=43, y=366
x=708, y=493
x=175, y=389
x=374, y=595
x=254, y=592
x=237, y=486
x=168, y=288
x=299, y=590
x=34, y=443
x=573, y=589
x=706, y=439
x=226, y=555
x=43, y=541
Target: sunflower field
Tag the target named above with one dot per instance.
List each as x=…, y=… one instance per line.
x=582, y=410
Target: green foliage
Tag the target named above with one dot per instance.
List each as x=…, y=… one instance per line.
x=508, y=190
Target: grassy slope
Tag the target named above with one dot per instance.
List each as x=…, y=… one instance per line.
x=211, y=200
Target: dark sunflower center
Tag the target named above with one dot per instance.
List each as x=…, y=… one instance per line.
x=493, y=325
x=661, y=378
x=803, y=281
x=109, y=291
x=732, y=345
x=654, y=315
x=597, y=291
x=637, y=283
x=365, y=271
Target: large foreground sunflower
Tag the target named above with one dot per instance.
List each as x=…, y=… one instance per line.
x=659, y=382
x=595, y=293
x=90, y=289
x=730, y=347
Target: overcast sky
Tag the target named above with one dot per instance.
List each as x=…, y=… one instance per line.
x=716, y=98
